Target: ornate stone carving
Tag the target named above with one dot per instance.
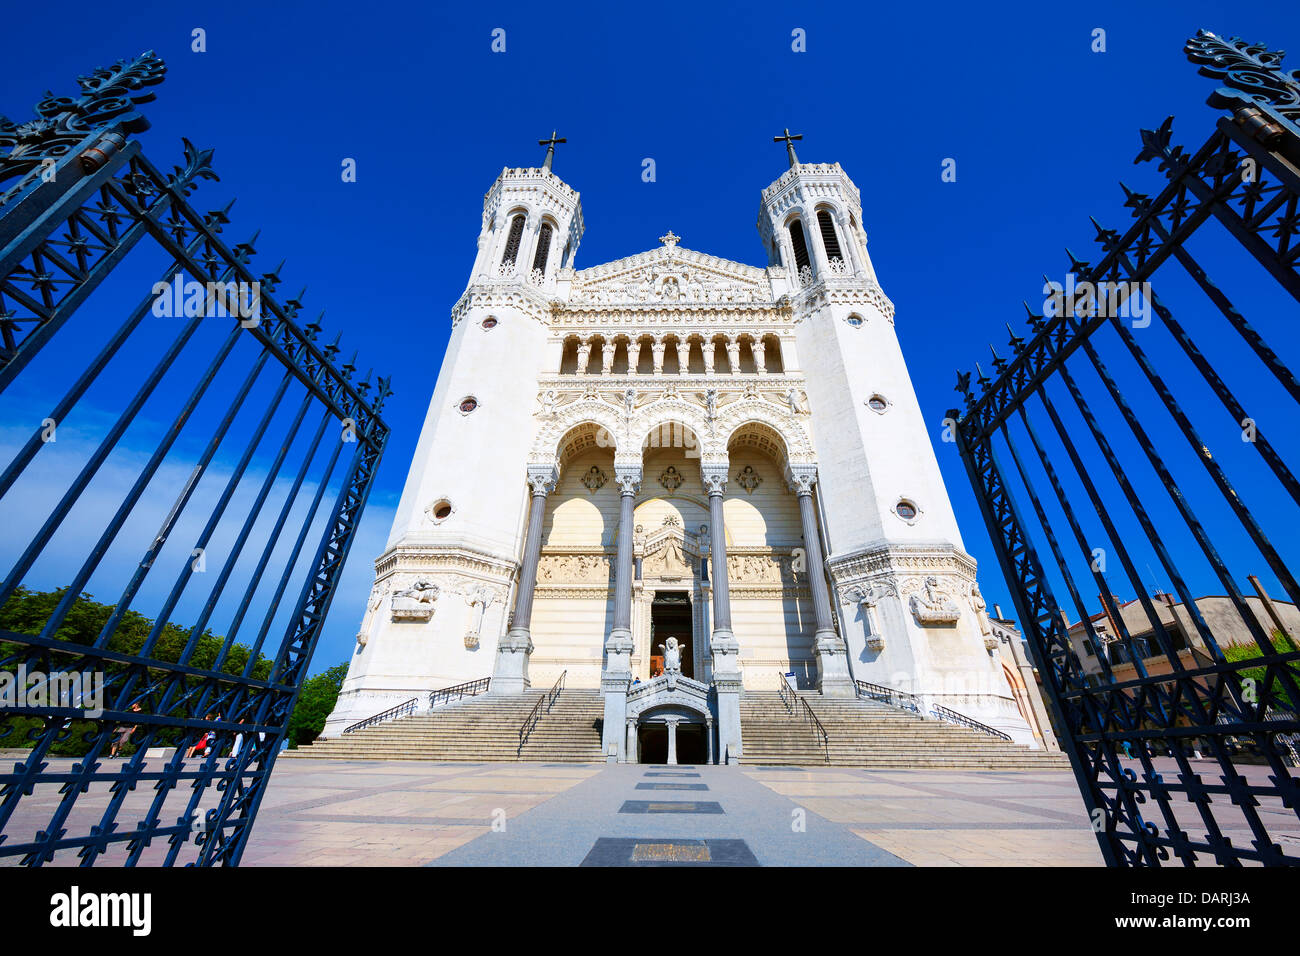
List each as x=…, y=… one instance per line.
x=715, y=478
x=671, y=479
x=415, y=603
x=628, y=478
x=981, y=611
x=667, y=562
x=801, y=478
x=377, y=594
x=594, y=479
x=478, y=599
x=672, y=660
x=934, y=606
x=573, y=568
x=749, y=479
x=542, y=478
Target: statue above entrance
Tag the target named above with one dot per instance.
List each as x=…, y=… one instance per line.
x=672, y=657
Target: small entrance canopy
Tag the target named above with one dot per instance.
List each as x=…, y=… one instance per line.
x=669, y=700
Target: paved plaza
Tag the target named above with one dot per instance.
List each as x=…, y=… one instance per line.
x=366, y=813
x=319, y=812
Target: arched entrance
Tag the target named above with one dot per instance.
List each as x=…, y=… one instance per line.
x=674, y=735
x=670, y=721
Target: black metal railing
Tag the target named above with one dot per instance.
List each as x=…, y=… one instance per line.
x=798, y=707
x=787, y=693
x=277, y=440
x=952, y=717
x=405, y=709
x=1099, y=440
x=542, y=706
x=910, y=702
x=887, y=695
x=471, y=688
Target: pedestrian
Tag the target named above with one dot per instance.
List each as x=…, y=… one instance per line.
x=123, y=734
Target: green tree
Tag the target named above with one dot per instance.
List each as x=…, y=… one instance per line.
x=27, y=611
x=1244, y=652
x=315, y=701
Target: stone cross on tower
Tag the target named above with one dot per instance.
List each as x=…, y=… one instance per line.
x=670, y=240
x=789, y=145
x=550, y=148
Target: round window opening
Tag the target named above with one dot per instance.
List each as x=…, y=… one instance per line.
x=468, y=405
x=442, y=510
x=905, y=510
x=877, y=403
x=490, y=322
x=854, y=320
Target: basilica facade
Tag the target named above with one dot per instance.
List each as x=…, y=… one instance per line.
x=676, y=446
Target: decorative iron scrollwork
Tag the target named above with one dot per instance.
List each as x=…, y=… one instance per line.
x=110, y=95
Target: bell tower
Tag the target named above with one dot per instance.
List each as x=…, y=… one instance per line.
x=903, y=586
x=444, y=585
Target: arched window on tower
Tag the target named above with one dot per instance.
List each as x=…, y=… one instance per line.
x=513, y=239
x=800, y=245
x=830, y=241
x=543, y=248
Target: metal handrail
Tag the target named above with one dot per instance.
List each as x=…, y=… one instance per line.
x=471, y=688
x=943, y=713
x=817, y=725
x=787, y=693
x=905, y=701
x=797, y=705
x=890, y=696
x=404, y=709
x=535, y=714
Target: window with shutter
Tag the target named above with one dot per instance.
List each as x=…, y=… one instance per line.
x=543, y=247
x=800, y=245
x=513, y=240
x=829, y=239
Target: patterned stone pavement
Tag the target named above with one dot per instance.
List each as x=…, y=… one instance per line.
x=947, y=817
x=320, y=812
x=363, y=813
x=408, y=813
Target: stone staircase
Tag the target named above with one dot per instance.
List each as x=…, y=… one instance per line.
x=863, y=733
x=867, y=733
x=484, y=728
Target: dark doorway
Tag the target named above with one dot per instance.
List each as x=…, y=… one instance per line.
x=653, y=743
x=692, y=748
x=670, y=616
x=692, y=745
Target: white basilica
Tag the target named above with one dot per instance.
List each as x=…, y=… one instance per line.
x=674, y=445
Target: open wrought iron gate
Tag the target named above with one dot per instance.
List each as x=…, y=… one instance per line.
x=1098, y=476
x=209, y=414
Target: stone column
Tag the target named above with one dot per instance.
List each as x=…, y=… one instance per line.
x=707, y=349
x=510, y=673
x=657, y=356
x=723, y=644
x=733, y=356
x=672, y=740
x=833, y=678
x=584, y=356
x=631, y=740
x=683, y=356
x=616, y=677
x=607, y=350
x=759, y=347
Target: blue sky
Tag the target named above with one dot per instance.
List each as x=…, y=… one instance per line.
x=1040, y=127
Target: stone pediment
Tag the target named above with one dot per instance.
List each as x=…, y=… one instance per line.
x=669, y=553
x=665, y=692
x=670, y=276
